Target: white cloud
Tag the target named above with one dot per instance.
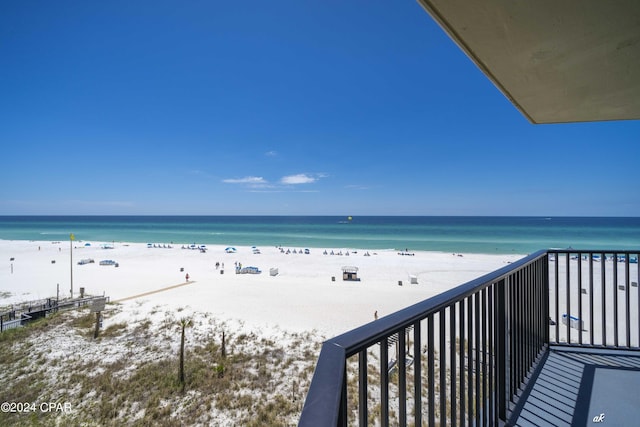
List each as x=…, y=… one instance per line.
x=258, y=182
x=301, y=178
x=248, y=180
x=271, y=153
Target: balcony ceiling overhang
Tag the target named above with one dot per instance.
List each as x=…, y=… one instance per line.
x=556, y=61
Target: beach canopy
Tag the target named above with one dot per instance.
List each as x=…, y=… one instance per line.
x=230, y=250
x=350, y=273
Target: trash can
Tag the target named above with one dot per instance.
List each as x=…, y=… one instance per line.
x=221, y=271
x=181, y=269
x=81, y=292
x=333, y=278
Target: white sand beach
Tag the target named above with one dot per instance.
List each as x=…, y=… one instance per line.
x=287, y=315
x=308, y=293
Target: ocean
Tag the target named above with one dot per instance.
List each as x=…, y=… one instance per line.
x=456, y=234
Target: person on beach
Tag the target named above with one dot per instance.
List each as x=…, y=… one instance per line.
x=187, y=277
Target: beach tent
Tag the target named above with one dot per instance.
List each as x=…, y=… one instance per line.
x=230, y=250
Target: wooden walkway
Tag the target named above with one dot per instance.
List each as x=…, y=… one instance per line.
x=155, y=291
x=27, y=311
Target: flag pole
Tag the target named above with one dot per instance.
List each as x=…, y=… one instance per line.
x=71, y=239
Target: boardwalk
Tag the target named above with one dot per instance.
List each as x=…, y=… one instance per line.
x=154, y=291
x=22, y=313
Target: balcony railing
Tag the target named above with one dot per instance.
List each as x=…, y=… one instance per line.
x=464, y=357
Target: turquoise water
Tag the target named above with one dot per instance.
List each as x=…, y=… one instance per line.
x=503, y=235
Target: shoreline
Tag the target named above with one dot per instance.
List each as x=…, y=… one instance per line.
x=496, y=251
x=307, y=293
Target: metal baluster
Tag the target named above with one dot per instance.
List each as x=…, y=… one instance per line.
x=557, y=296
x=452, y=362
x=591, y=315
x=470, y=411
x=604, y=298
x=443, y=369
x=431, y=371
x=580, y=298
x=627, y=299
x=417, y=372
x=476, y=300
x=402, y=378
x=362, y=387
x=491, y=351
x=384, y=382
x=502, y=346
x=568, y=295
x=463, y=371
x=483, y=345
x=615, y=299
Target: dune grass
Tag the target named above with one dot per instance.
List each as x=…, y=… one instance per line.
x=129, y=374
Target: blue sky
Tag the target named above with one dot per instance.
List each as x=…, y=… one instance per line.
x=279, y=108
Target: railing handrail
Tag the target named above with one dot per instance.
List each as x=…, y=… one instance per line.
x=593, y=251
x=324, y=393
x=528, y=277
x=371, y=333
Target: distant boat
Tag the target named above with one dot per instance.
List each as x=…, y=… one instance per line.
x=348, y=221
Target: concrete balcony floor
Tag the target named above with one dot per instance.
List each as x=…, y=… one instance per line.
x=577, y=386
